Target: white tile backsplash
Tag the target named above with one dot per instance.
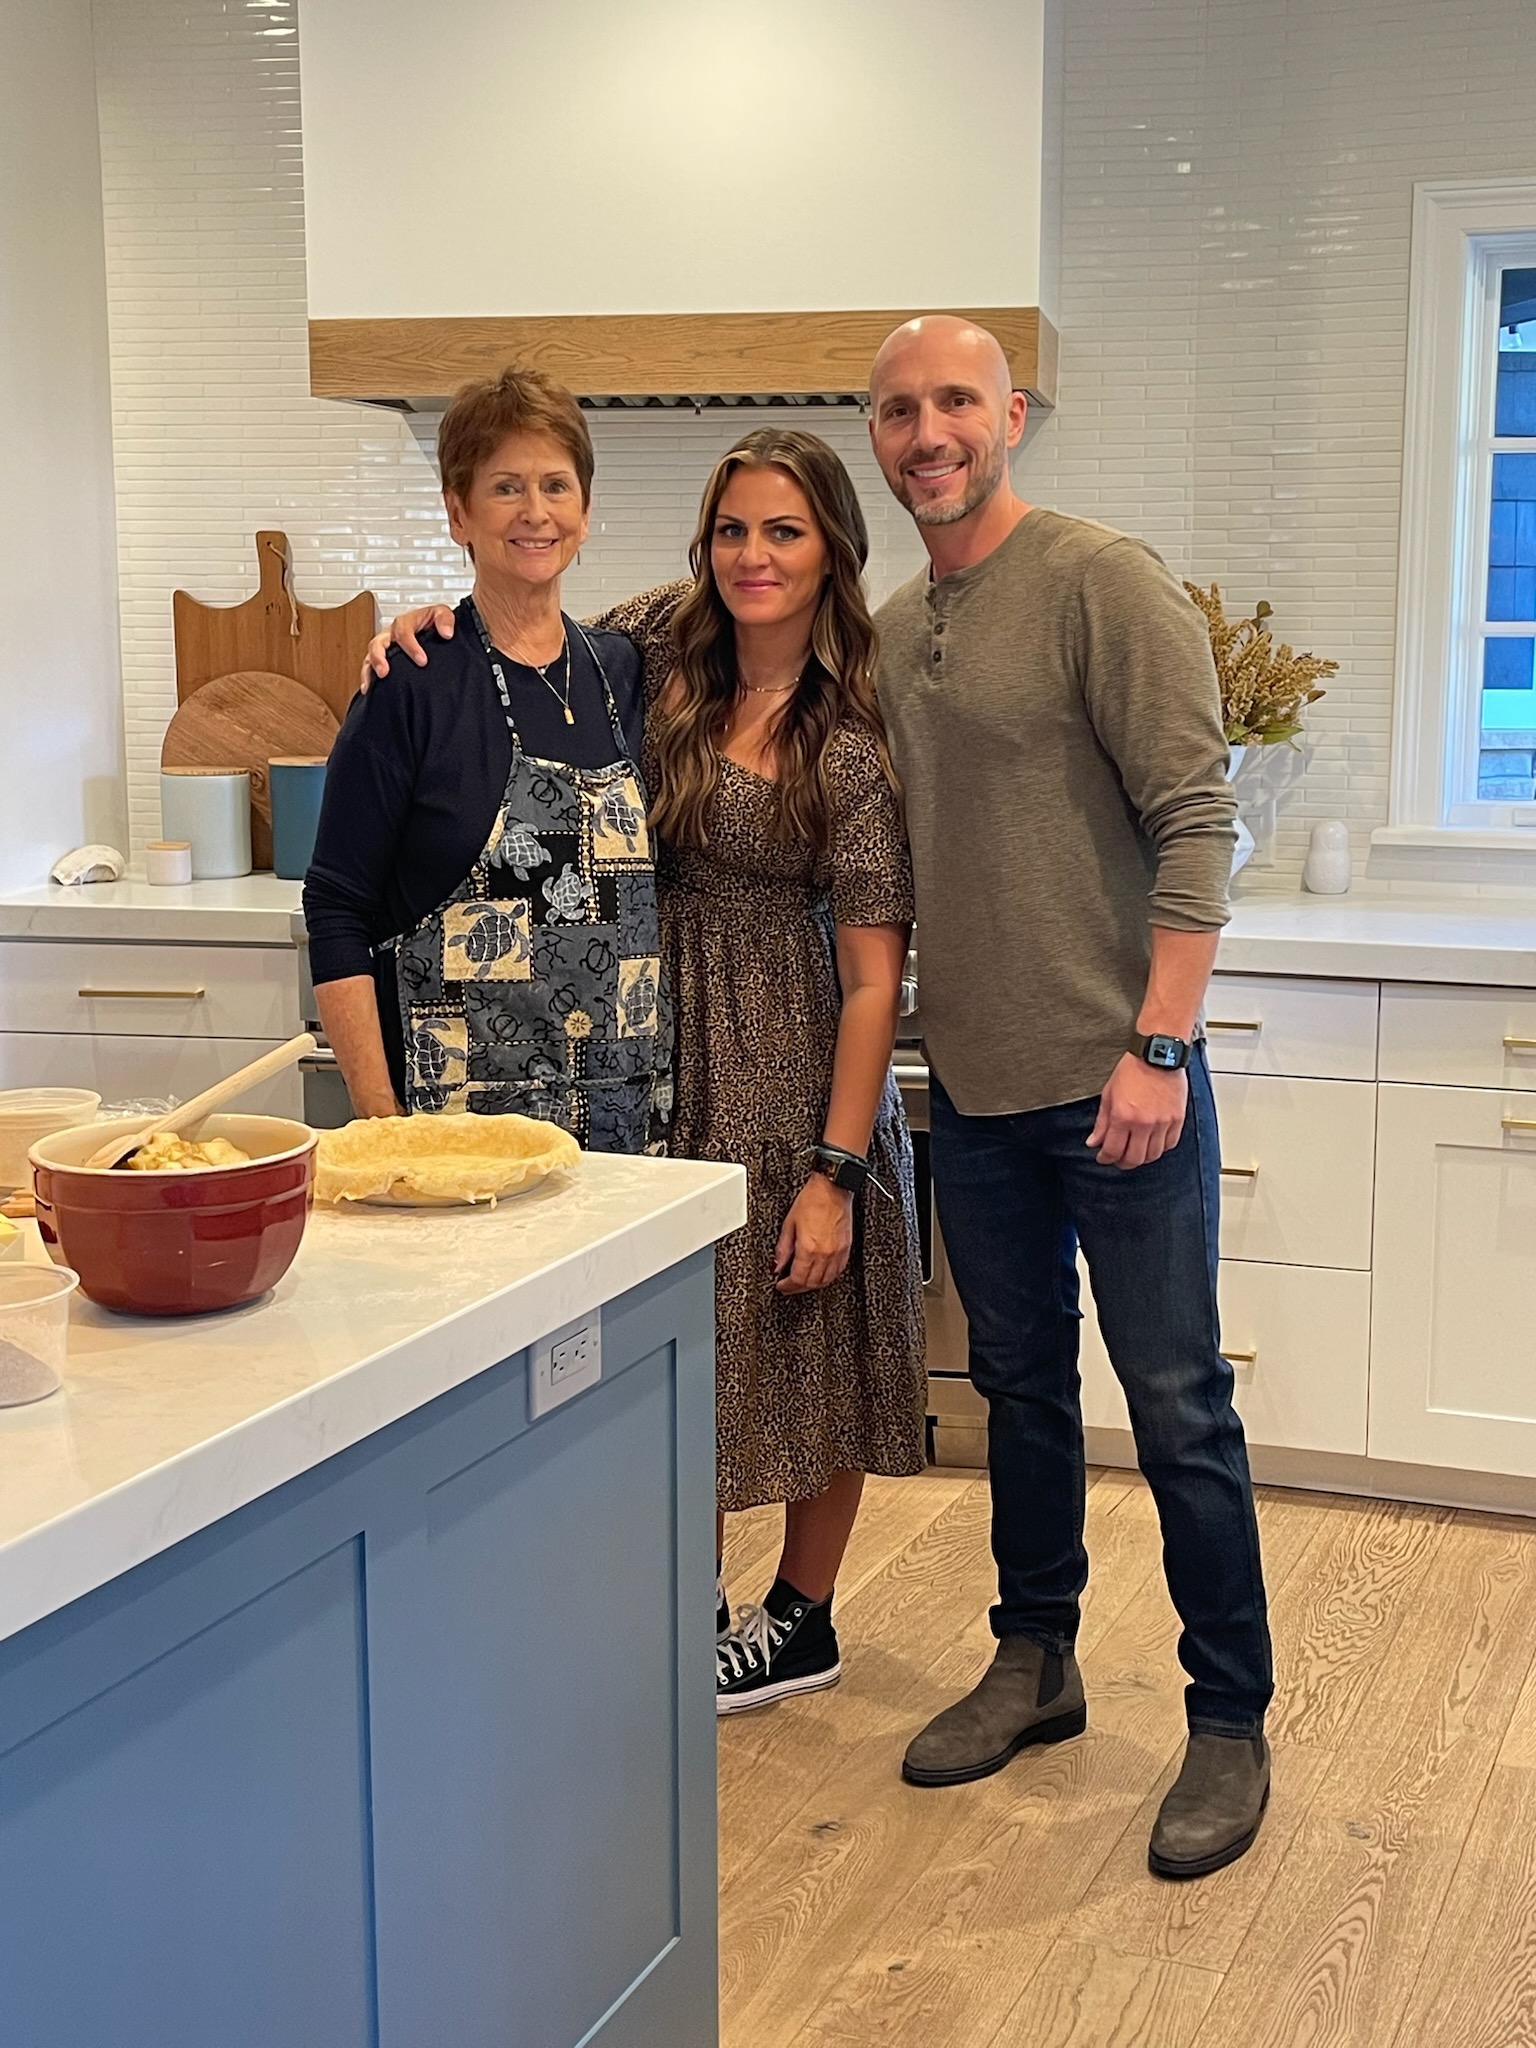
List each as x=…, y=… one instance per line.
x=1236, y=188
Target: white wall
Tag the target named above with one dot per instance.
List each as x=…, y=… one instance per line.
x=1237, y=191
x=1236, y=198
x=598, y=156
x=216, y=433
x=60, y=702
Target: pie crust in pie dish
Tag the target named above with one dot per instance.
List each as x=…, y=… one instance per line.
x=426, y=1162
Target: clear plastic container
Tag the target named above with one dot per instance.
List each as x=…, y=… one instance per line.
x=34, y=1330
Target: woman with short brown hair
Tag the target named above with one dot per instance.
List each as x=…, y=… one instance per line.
x=482, y=902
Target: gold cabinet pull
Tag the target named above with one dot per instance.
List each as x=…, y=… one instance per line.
x=1239, y=1172
x=1239, y=1357
x=1234, y=1024
x=1520, y=1045
x=142, y=995
x=1520, y=1123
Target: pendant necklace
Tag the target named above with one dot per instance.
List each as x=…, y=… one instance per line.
x=563, y=700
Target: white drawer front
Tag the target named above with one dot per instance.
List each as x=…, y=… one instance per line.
x=143, y=1069
x=1298, y=1158
x=1298, y=1340
x=125, y=990
x=1274, y=1024
x=1459, y=1037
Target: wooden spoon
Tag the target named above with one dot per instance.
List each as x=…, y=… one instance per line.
x=118, y=1147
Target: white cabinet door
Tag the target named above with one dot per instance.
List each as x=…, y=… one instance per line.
x=1459, y=1037
x=127, y=990
x=1297, y=1163
x=1298, y=1340
x=144, y=1069
x=1282, y=1024
x=1453, y=1331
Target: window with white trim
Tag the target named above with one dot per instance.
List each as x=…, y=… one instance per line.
x=1464, y=743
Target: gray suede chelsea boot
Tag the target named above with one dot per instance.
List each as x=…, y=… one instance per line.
x=1029, y=1695
x=1214, y=1807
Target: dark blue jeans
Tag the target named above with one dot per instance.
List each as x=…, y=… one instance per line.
x=1016, y=1195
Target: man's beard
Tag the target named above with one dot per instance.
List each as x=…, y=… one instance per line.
x=981, y=487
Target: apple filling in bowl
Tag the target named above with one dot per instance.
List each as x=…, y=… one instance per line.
x=168, y=1153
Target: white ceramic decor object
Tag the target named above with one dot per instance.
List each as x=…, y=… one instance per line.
x=1327, y=871
x=88, y=864
x=212, y=809
x=168, y=862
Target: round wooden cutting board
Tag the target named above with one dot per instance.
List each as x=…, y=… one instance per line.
x=244, y=721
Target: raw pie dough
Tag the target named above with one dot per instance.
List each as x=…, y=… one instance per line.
x=436, y=1161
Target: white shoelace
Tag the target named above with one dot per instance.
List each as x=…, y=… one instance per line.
x=753, y=1640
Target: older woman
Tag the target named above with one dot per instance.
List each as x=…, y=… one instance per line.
x=482, y=903
x=785, y=912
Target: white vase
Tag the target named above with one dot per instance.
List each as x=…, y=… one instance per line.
x=1327, y=870
x=1242, y=851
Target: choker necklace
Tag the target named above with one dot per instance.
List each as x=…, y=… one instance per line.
x=773, y=689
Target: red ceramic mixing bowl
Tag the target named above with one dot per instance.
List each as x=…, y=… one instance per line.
x=174, y=1244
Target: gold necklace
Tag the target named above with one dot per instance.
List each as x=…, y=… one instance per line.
x=564, y=701
x=774, y=689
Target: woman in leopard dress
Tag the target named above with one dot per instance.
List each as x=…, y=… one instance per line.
x=785, y=907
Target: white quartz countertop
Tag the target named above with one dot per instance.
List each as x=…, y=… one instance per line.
x=1383, y=938
x=1369, y=938
x=164, y=1425
x=253, y=910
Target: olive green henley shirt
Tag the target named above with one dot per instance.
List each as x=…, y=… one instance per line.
x=1055, y=721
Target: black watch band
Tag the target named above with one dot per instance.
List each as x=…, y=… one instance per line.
x=845, y=1170
x=1161, y=1050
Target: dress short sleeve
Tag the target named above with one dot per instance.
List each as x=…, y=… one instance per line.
x=870, y=868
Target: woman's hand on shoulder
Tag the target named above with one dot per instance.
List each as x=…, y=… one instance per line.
x=401, y=632
x=817, y=1239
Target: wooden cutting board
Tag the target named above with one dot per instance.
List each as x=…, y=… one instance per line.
x=320, y=646
x=245, y=721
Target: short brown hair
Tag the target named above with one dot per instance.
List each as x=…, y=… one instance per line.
x=519, y=401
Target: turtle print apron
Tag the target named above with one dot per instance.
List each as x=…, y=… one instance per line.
x=536, y=988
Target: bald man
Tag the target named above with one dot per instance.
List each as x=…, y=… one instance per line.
x=1054, y=715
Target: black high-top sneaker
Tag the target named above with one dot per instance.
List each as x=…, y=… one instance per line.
x=786, y=1646
x=722, y=1610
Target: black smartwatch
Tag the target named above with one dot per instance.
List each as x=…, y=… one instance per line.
x=1159, y=1049
x=845, y=1170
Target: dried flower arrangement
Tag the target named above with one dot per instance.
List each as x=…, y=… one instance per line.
x=1264, y=688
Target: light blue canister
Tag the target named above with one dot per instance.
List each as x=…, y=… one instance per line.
x=297, y=785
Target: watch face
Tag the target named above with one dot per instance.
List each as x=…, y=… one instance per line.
x=1164, y=1052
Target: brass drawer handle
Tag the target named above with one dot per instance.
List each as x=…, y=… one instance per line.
x=1234, y=1024
x=1240, y=1357
x=1520, y=1123
x=1520, y=1045
x=142, y=995
x=1240, y=1173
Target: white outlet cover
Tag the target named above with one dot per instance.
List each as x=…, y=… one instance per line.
x=565, y=1363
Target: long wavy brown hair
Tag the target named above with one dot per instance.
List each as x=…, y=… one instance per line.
x=837, y=687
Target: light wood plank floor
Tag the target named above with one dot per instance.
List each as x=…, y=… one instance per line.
x=1389, y=1903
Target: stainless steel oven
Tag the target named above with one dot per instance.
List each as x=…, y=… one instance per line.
x=956, y=1412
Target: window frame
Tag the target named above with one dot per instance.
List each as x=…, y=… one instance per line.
x=1464, y=234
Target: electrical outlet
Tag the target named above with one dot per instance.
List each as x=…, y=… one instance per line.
x=566, y=1362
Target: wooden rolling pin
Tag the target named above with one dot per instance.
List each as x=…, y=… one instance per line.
x=180, y=1121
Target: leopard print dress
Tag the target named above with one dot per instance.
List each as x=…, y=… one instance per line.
x=811, y=1384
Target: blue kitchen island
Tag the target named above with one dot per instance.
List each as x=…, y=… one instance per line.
x=342, y=1703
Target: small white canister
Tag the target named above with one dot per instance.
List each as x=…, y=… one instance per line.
x=1327, y=871
x=211, y=808
x=168, y=862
